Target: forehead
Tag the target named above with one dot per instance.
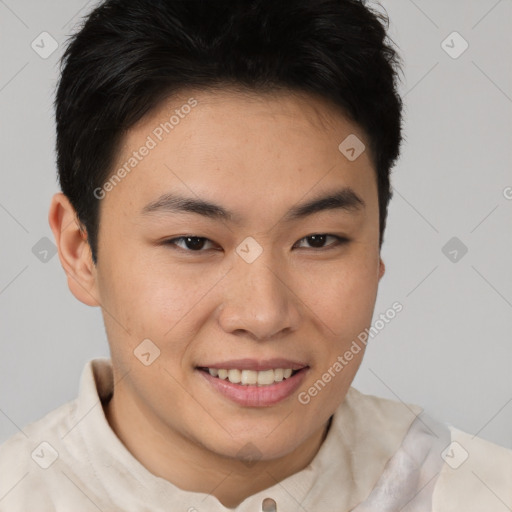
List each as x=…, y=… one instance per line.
x=251, y=149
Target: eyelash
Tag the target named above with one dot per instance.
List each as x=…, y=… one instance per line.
x=339, y=241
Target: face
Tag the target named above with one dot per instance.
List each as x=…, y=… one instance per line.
x=251, y=281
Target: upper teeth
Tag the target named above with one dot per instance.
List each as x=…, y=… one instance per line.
x=251, y=377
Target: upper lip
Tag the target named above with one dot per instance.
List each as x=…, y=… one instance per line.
x=256, y=365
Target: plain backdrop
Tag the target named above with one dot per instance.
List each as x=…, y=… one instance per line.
x=449, y=350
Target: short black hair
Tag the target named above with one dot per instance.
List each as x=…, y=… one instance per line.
x=130, y=55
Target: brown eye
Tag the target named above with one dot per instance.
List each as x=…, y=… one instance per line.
x=317, y=241
x=189, y=243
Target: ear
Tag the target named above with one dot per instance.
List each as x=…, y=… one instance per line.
x=74, y=251
x=382, y=268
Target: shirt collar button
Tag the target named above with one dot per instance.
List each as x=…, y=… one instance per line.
x=268, y=505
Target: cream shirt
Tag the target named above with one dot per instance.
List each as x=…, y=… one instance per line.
x=378, y=456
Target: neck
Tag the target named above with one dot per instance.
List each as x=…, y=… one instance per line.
x=191, y=467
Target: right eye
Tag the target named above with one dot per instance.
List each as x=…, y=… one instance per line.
x=191, y=243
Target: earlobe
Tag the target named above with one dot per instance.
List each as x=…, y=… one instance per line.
x=382, y=268
x=74, y=251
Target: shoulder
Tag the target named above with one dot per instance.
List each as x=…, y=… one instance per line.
x=476, y=475
x=54, y=422
x=447, y=469
x=25, y=459
x=46, y=466
x=379, y=405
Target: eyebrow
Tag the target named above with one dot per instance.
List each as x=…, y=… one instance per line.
x=170, y=203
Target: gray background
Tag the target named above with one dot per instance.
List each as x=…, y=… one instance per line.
x=449, y=350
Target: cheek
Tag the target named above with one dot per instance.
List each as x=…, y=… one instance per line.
x=169, y=304
x=342, y=296
x=156, y=305
x=148, y=302
x=146, y=293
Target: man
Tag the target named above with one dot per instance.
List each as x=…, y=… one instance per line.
x=225, y=180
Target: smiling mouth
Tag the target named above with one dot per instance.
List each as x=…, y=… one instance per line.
x=252, y=377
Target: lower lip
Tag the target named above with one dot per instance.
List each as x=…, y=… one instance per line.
x=256, y=396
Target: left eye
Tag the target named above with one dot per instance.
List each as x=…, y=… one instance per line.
x=197, y=243
x=318, y=240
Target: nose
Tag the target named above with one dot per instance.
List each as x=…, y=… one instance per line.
x=258, y=299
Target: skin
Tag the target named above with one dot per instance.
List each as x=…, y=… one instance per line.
x=257, y=155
